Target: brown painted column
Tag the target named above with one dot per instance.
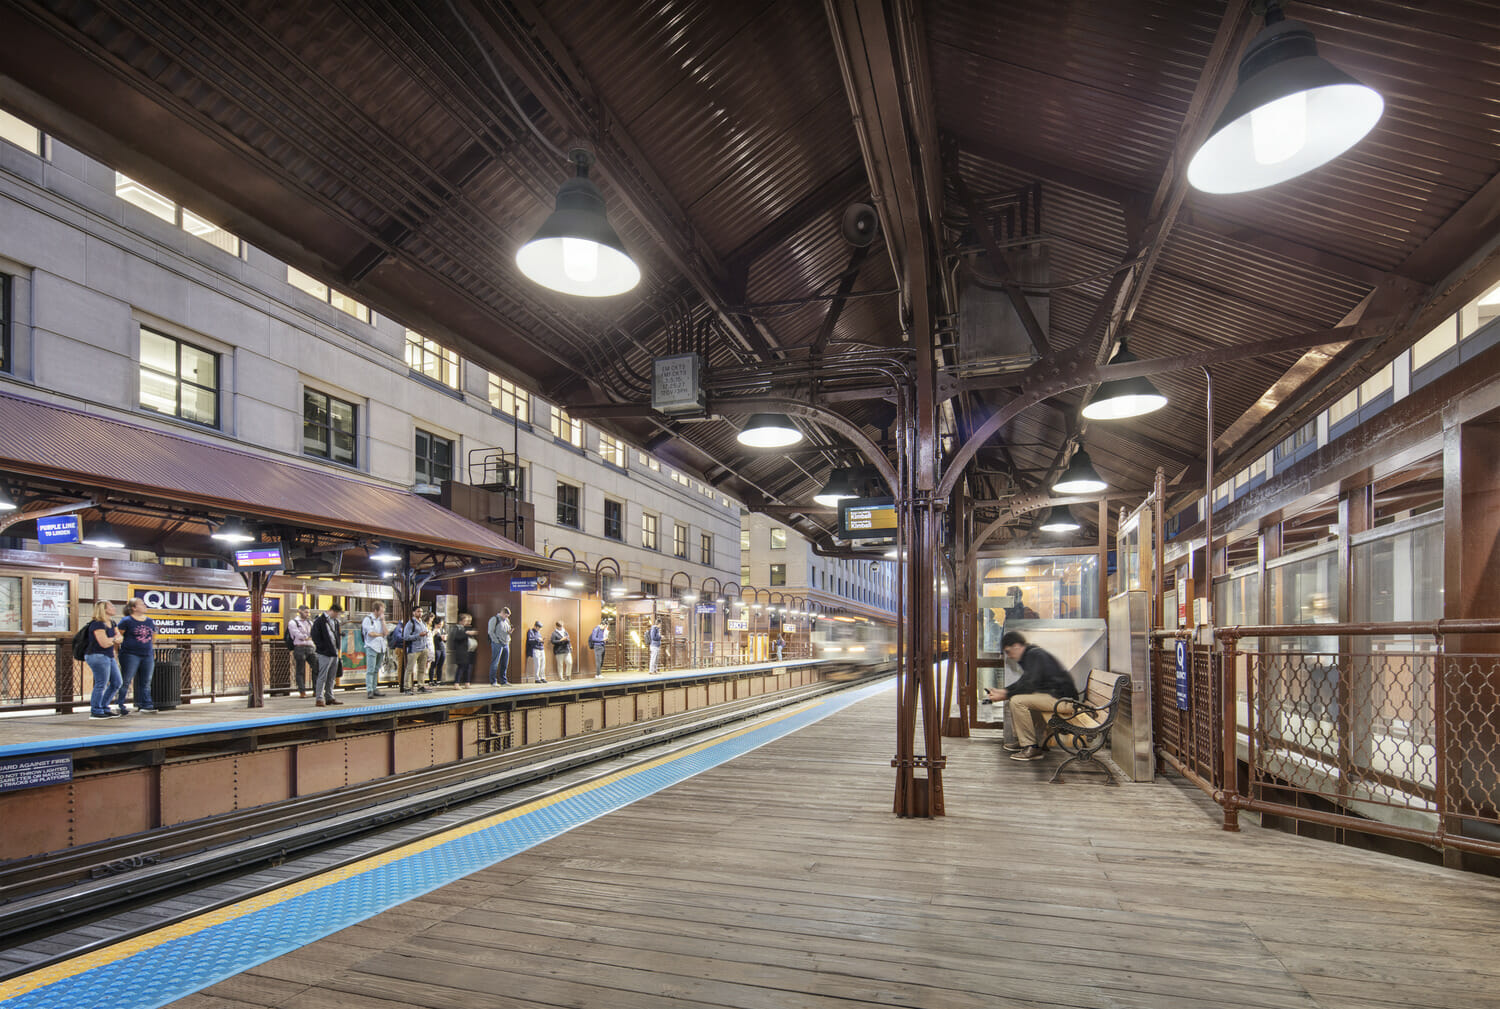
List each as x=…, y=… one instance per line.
x=1467, y=679
x=256, y=581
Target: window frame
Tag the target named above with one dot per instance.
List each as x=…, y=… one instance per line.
x=444, y=355
x=328, y=428
x=7, y=314
x=650, y=531
x=771, y=581
x=706, y=549
x=500, y=389
x=618, y=522
x=574, y=438
x=778, y=534
x=679, y=541
x=178, y=343
x=574, y=506
x=432, y=438
x=612, y=451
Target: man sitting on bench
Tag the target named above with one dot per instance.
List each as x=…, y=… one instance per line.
x=1042, y=684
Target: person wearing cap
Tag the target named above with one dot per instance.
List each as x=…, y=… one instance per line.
x=1043, y=683
x=535, y=656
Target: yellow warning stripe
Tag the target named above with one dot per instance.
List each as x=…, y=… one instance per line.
x=64, y=969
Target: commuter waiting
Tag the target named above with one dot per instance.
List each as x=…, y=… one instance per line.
x=653, y=643
x=418, y=638
x=562, y=651
x=535, y=653
x=437, y=668
x=597, y=637
x=325, y=637
x=499, y=635
x=101, y=658
x=304, y=656
x=374, y=630
x=138, y=655
x=461, y=638
x=1042, y=684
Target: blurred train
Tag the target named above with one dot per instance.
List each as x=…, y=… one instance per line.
x=855, y=640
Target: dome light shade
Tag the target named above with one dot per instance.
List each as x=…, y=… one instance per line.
x=575, y=251
x=1293, y=111
x=770, y=430
x=102, y=534
x=233, y=531
x=1059, y=520
x=1080, y=478
x=839, y=487
x=1124, y=397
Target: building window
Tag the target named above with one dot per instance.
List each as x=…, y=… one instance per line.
x=648, y=532
x=567, y=505
x=321, y=291
x=706, y=549
x=614, y=520
x=5, y=315
x=434, y=458
x=744, y=539
x=778, y=539
x=20, y=133
x=649, y=462
x=431, y=359
x=1298, y=439
x=565, y=428
x=679, y=540
x=611, y=450
x=158, y=205
x=509, y=400
x=778, y=574
x=744, y=574
x=179, y=379
x=329, y=427
x=650, y=589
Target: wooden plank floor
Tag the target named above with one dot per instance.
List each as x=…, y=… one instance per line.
x=781, y=879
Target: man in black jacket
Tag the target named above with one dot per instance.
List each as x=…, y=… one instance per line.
x=325, y=638
x=1042, y=684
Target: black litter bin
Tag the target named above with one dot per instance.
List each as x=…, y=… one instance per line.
x=166, y=680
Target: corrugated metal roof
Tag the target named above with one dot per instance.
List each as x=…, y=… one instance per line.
x=97, y=452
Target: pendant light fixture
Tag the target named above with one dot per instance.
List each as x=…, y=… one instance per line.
x=770, y=430
x=233, y=530
x=575, y=251
x=1291, y=112
x=1119, y=398
x=840, y=487
x=384, y=553
x=1080, y=477
x=7, y=503
x=1059, y=520
x=102, y=534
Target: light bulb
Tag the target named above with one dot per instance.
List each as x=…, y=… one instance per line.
x=580, y=259
x=1278, y=130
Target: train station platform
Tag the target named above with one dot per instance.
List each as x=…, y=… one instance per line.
x=764, y=869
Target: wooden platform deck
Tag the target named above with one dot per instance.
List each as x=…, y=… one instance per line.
x=781, y=879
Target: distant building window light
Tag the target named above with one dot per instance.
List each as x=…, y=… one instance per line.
x=20, y=133
x=778, y=539
x=679, y=540
x=706, y=549
x=778, y=574
x=431, y=359
x=321, y=291
x=1344, y=408
x=1436, y=343
x=744, y=539
x=510, y=400
x=179, y=379
x=565, y=428
x=611, y=450
x=649, y=462
x=157, y=205
x=648, y=532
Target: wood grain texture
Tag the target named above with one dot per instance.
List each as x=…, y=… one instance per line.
x=782, y=879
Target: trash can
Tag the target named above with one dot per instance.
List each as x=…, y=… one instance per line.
x=166, y=679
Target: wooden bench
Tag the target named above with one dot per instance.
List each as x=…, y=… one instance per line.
x=1081, y=727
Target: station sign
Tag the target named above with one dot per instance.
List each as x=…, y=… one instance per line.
x=736, y=625
x=707, y=608
x=527, y=584
x=58, y=529
x=207, y=615
x=1182, y=674
x=33, y=772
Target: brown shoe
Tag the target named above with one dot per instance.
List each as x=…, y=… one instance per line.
x=318, y=703
x=302, y=693
x=1030, y=753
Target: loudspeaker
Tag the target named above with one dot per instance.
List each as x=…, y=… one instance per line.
x=860, y=225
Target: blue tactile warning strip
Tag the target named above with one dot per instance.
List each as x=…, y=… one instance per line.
x=170, y=963
x=446, y=699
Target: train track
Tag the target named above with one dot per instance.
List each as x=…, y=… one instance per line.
x=48, y=895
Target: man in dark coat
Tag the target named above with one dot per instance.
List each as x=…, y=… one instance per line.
x=1042, y=684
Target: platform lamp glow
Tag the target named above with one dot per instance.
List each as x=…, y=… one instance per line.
x=840, y=486
x=1080, y=477
x=233, y=530
x=384, y=553
x=7, y=503
x=1292, y=111
x=575, y=251
x=102, y=534
x=1059, y=520
x=769, y=430
x=1119, y=398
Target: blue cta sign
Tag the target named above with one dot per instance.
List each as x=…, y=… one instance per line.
x=57, y=529
x=31, y=772
x=524, y=584
x=1183, y=658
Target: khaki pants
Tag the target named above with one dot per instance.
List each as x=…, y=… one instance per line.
x=416, y=669
x=1023, y=710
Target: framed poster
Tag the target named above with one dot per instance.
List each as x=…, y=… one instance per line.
x=51, y=605
x=10, y=604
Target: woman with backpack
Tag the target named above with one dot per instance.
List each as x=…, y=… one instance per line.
x=103, y=659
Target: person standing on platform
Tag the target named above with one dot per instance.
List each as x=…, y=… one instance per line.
x=780, y=645
x=653, y=643
x=326, y=636
x=461, y=646
x=304, y=656
x=535, y=655
x=103, y=661
x=597, y=637
x=373, y=628
x=138, y=654
x=499, y=634
x=418, y=640
x=562, y=651
x=1043, y=683
x=438, y=667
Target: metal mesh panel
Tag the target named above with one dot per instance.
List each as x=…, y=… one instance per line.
x=1471, y=736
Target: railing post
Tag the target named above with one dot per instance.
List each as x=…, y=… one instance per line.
x=65, y=679
x=1230, y=724
x=1440, y=733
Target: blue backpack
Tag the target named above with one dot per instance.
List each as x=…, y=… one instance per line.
x=395, y=636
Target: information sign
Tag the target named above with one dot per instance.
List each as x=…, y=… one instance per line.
x=207, y=614
x=1182, y=674
x=524, y=584
x=57, y=529
x=30, y=772
x=707, y=608
x=675, y=388
x=736, y=625
x=867, y=518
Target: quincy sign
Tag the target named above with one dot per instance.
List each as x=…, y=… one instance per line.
x=206, y=615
